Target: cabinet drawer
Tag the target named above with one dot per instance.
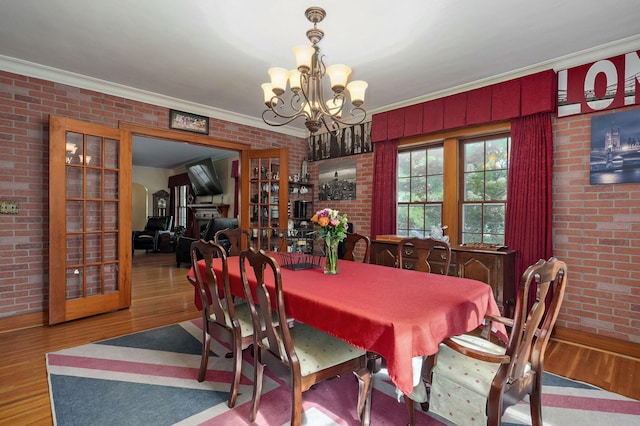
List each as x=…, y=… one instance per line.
x=436, y=261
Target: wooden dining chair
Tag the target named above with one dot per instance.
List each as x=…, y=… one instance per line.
x=424, y=254
x=236, y=239
x=356, y=243
x=301, y=355
x=222, y=320
x=486, y=376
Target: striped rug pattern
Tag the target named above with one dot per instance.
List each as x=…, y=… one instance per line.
x=150, y=378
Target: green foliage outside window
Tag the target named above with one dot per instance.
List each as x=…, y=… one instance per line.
x=483, y=187
x=420, y=190
x=485, y=165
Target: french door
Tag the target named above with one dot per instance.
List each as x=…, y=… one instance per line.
x=89, y=219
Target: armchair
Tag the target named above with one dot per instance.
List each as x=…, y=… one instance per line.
x=476, y=378
x=148, y=238
x=183, y=245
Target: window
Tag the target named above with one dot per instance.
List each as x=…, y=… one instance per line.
x=181, y=193
x=484, y=190
x=420, y=190
x=456, y=179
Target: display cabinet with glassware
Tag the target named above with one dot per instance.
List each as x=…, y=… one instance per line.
x=300, y=236
x=266, y=191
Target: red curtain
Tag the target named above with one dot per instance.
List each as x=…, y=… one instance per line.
x=383, y=201
x=529, y=192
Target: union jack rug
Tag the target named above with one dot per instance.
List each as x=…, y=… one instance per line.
x=150, y=378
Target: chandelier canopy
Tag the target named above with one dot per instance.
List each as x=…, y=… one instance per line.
x=307, y=97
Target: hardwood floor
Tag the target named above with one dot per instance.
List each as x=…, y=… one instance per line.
x=161, y=296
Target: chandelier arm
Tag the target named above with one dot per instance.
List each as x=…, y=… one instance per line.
x=346, y=122
x=287, y=119
x=334, y=129
x=276, y=107
x=304, y=88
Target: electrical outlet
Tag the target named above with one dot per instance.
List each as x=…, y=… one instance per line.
x=8, y=207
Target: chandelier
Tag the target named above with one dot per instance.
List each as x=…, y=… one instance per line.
x=307, y=96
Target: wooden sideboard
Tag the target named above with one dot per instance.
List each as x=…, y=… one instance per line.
x=494, y=267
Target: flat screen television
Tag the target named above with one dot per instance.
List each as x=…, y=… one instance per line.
x=204, y=178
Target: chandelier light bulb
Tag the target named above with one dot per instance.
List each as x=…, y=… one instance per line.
x=338, y=75
x=267, y=89
x=356, y=90
x=294, y=80
x=279, y=77
x=304, y=55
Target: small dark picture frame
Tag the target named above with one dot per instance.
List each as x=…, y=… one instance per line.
x=190, y=122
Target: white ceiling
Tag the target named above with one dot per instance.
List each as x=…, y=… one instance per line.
x=210, y=56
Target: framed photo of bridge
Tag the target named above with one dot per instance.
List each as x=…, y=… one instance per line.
x=615, y=148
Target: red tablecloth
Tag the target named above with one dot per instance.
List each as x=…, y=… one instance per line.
x=396, y=313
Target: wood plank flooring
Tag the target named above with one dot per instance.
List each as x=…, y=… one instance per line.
x=161, y=296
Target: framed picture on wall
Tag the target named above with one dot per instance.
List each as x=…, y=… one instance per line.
x=351, y=140
x=615, y=148
x=190, y=122
x=337, y=180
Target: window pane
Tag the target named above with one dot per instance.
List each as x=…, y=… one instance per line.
x=416, y=217
x=420, y=183
x=494, y=216
x=485, y=181
x=404, y=189
x=419, y=189
x=403, y=218
x=435, y=190
x=497, y=154
x=468, y=237
x=433, y=215
x=474, y=186
x=496, y=185
x=472, y=218
x=473, y=156
x=419, y=163
x=404, y=164
x=435, y=165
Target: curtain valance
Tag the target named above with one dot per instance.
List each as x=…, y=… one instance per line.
x=510, y=99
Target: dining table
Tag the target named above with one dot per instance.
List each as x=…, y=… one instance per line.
x=398, y=314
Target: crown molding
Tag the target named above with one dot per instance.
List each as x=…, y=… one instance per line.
x=31, y=69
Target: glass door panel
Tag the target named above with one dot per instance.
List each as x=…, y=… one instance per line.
x=86, y=277
x=266, y=215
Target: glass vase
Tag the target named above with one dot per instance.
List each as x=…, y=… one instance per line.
x=331, y=257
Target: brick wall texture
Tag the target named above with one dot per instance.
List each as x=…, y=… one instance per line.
x=597, y=232
x=596, y=227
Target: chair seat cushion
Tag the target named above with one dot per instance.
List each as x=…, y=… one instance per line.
x=318, y=350
x=243, y=314
x=460, y=384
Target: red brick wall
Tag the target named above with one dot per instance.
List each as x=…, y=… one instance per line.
x=597, y=232
x=25, y=105
x=596, y=227
x=358, y=211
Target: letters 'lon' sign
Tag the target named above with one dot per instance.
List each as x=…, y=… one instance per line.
x=605, y=84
